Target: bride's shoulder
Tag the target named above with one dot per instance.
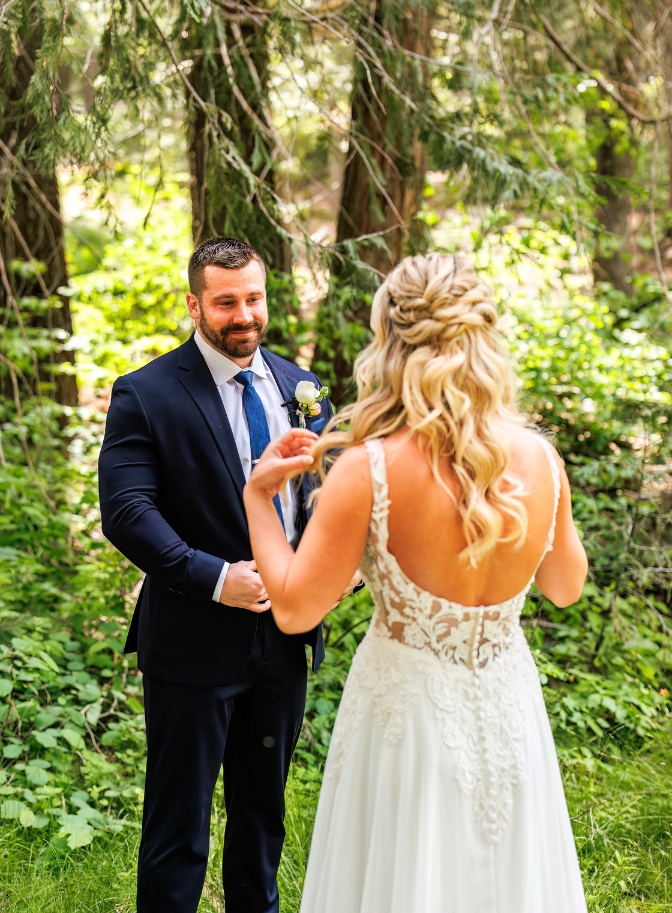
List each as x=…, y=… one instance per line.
x=352, y=463
x=348, y=481
x=530, y=452
x=525, y=441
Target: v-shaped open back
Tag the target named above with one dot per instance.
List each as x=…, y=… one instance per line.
x=442, y=755
x=406, y=612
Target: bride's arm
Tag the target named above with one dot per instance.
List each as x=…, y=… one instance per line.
x=304, y=585
x=562, y=573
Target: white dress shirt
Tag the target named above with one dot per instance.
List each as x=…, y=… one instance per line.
x=223, y=371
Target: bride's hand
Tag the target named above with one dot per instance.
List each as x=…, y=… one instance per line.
x=284, y=458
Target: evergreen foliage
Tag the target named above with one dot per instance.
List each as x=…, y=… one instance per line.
x=488, y=130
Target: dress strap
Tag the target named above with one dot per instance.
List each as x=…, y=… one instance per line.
x=555, y=473
x=381, y=503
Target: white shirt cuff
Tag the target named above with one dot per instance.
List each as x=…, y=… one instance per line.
x=220, y=582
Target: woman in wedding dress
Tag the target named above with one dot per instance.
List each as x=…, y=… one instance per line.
x=442, y=791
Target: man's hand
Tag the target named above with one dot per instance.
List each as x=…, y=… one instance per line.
x=243, y=588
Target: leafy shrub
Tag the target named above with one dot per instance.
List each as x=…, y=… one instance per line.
x=71, y=722
x=70, y=704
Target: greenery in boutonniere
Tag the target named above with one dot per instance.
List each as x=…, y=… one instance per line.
x=307, y=397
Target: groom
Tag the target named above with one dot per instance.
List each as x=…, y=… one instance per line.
x=222, y=684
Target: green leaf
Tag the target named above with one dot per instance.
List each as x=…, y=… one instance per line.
x=6, y=686
x=93, y=816
x=27, y=817
x=46, y=739
x=93, y=713
x=48, y=660
x=80, y=838
x=12, y=750
x=73, y=738
x=47, y=717
x=79, y=831
x=40, y=821
x=36, y=776
x=12, y=808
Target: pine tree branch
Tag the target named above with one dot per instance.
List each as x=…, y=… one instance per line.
x=225, y=146
x=233, y=11
x=22, y=433
x=270, y=130
x=29, y=257
x=242, y=101
x=604, y=85
x=29, y=178
x=635, y=42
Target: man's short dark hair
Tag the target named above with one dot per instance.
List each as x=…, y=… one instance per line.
x=229, y=253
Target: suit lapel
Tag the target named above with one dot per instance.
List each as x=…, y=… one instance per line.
x=200, y=385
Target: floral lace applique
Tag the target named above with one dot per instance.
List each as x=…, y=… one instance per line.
x=383, y=677
x=475, y=659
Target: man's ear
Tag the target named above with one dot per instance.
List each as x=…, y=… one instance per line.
x=193, y=305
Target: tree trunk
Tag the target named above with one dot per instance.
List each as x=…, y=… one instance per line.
x=384, y=177
x=34, y=232
x=611, y=259
x=219, y=194
x=386, y=164
x=669, y=178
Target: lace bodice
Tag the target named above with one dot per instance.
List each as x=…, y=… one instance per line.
x=468, y=635
x=474, y=661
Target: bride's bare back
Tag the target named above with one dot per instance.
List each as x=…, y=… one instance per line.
x=425, y=534
x=425, y=526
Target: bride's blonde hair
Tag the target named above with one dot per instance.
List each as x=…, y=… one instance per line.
x=437, y=365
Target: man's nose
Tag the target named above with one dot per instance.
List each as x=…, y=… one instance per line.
x=242, y=314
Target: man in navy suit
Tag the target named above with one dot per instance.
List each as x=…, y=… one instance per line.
x=222, y=684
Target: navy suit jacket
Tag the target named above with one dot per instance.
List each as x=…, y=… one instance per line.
x=171, y=497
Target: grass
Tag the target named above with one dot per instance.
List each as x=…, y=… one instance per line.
x=622, y=813
x=622, y=817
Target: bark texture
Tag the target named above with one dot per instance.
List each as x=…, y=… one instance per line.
x=387, y=159
x=611, y=263
x=34, y=231
x=219, y=194
x=384, y=175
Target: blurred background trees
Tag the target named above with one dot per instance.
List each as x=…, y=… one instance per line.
x=337, y=137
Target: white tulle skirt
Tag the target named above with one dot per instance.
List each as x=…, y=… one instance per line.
x=441, y=794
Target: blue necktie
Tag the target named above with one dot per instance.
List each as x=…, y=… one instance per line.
x=257, y=425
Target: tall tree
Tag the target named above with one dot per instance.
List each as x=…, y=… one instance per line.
x=622, y=49
x=384, y=171
x=32, y=257
x=615, y=160
x=387, y=157
x=230, y=74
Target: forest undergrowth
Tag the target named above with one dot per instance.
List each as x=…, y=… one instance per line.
x=71, y=713
x=621, y=810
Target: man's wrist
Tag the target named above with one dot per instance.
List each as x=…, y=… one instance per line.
x=219, y=586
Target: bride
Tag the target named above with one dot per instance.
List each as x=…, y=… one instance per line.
x=441, y=792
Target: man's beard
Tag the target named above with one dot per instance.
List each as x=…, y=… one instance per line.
x=229, y=345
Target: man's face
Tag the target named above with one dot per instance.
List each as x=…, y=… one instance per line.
x=232, y=314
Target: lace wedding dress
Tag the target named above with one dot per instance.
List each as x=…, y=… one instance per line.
x=442, y=791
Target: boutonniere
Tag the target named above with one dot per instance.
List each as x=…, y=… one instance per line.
x=307, y=397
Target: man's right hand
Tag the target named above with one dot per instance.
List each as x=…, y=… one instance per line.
x=243, y=588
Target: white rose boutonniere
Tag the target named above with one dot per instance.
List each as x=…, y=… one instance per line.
x=307, y=398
